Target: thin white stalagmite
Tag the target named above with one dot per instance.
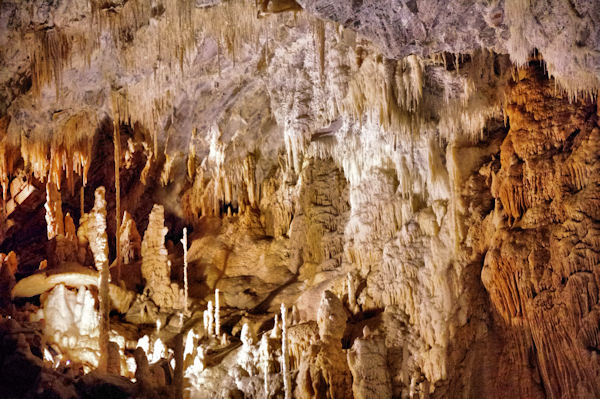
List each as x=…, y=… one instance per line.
x=99, y=246
x=217, y=314
x=211, y=330
x=287, y=383
x=185, y=270
x=274, y=331
x=205, y=321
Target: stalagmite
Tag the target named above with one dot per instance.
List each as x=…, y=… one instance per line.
x=287, y=381
x=211, y=331
x=205, y=317
x=159, y=351
x=155, y=265
x=217, y=314
x=99, y=246
x=275, y=329
x=265, y=357
x=189, y=344
x=339, y=165
x=130, y=240
x=184, y=242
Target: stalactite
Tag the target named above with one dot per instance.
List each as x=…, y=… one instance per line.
x=249, y=175
x=191, y=161
x=50, y=55
x=54, y=215
x=319, y=27
x=8, y=154
x=82, y=200
x=117, y=160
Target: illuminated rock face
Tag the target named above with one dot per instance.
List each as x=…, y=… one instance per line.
x=427, y=210
x=541, y=269
x=72, y=323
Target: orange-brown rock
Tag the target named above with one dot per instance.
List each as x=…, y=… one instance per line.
x=541, y=270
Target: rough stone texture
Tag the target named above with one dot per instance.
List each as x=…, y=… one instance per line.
x=156, y=269
x=541, y=267
x=8, y=268
x=98, y=239
x=131, y=242
x=72, y=322
x=323, y=372
x=516, y=27
x=300, y=152
x=368, y=363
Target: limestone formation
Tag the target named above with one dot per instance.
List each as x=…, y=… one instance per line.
x=156, y=269
x=130, y=240
x=72, y=321
x=8, y=268
x=540, y=264
x=98, y=239
x=323, y=370
x=416, y=180
x=367, y=360
x=54, y=214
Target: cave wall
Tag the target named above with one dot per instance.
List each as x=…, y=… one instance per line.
x=451, y=186
x=541, y=263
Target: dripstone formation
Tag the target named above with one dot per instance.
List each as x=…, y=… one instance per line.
x=380, y=199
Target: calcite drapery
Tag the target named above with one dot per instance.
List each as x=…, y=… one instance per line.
x=541, y=270
x=61, y=230
x=72, y=322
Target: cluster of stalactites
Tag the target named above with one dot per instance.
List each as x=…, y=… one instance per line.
x=221, y=189
x=65, y=158
x=387, y=91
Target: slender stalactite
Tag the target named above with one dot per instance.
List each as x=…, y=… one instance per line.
x=117, y=144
